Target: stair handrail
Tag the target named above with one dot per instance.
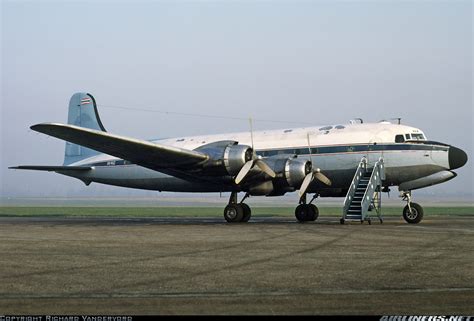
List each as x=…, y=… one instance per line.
x=378, y=175
x=360, y=171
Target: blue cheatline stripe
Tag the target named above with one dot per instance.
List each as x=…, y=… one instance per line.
x=323, y=150
x=348, y=149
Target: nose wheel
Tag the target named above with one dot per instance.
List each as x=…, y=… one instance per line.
x=412, y=212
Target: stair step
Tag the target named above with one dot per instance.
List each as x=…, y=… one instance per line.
x=353, y=217
x=352, y=212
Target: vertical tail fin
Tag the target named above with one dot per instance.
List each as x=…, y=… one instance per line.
x=82, y=112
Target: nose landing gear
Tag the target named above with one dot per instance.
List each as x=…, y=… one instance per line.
x=412, y=212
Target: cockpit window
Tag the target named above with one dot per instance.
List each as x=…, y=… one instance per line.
x=417, y=136
x=399, y=139
x=407, y=136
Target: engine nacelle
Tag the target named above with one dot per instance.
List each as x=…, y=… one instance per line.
x=235, y=156
x=262, y=189
x=226, y=157
x=291, y=170
x=296, y=170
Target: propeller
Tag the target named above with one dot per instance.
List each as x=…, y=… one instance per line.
x=255, y=161
x=314, y=174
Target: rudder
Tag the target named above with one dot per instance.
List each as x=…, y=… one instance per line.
x=82, y=112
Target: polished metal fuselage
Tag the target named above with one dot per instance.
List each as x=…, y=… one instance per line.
x=336, y=151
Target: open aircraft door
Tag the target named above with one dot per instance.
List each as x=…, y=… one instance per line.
x=375, y=150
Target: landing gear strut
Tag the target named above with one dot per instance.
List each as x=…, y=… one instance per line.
x=306, y=212
x=413, y=212
x=237, y=212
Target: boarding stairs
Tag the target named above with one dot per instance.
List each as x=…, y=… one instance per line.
x=364, y=194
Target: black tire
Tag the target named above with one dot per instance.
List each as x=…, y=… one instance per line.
x=314, y=212
x=233, y=213
x=247, y=212
x=342, y=221
x=416, y=214
x=301, y=212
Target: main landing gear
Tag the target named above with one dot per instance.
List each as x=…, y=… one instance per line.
x=413, y=212
x=237, y=212
x=306, y=212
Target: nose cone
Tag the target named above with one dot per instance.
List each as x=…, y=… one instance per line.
x=457, y=157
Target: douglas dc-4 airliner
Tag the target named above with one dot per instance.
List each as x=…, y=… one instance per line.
x=357, y=161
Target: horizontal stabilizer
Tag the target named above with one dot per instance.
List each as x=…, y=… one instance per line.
x=53, y=168
x=141, y=152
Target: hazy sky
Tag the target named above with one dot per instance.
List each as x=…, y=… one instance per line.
x=321, y=62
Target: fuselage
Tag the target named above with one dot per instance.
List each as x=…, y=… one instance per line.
x=336, y=150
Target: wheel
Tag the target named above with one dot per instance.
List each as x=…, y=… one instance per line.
x=233, y=213
x=416, y=213
x=342, y=221
x=314, y=212
x=302, y=212
x=247, y=212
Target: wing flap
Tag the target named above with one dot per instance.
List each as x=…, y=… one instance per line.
x=144, y=153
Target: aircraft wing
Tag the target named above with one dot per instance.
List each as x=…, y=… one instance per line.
x=147, y=154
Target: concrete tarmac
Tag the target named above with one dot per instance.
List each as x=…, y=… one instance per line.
x=206, y=266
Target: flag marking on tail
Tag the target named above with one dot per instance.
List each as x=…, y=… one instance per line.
x=85, y=101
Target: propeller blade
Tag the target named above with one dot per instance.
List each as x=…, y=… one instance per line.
x=309, y=148
x=265, y=168
x=323, y=178
x=251, y=136
x=304, y=186
x=244, y=171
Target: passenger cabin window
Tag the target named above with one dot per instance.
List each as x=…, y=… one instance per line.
x=326, y=128
x=399, y=139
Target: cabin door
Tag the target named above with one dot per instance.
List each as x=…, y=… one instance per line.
x=375, y=149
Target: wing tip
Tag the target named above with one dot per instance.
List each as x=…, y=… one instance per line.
x=40, y=126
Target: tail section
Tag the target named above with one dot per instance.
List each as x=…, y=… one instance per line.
x=82, y=112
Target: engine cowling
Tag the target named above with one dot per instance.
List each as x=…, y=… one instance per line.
x=296, y=170
x=290, y=174
x=235, y=156
x=225, y=157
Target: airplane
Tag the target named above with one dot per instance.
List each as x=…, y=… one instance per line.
x=357, y=161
